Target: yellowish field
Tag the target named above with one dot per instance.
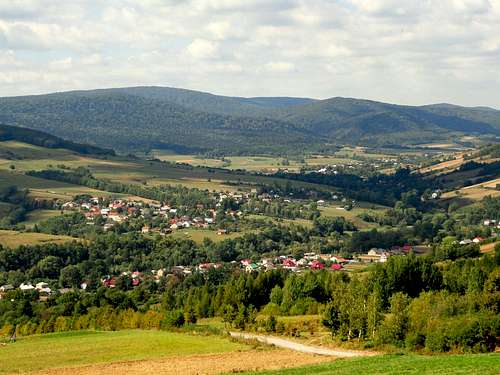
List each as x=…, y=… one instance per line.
x=10, y=238
x=445, y=165
x=476, y=192
x=438, y=145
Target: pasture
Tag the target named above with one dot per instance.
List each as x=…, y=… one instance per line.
x=488, y=364
x=13, y=239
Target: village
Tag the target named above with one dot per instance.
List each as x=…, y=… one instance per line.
x=165, y=219
x=168, y=218
x=309, y=261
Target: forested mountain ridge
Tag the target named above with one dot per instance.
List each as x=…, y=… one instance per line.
x=128, y=122
x=142, y=118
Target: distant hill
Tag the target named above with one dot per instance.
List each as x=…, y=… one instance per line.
x=142, y=118
x=38, y=138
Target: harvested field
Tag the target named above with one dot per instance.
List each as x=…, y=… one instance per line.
x=252, y=360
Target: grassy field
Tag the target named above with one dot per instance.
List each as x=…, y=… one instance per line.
x=303, y=222
x=48, y=189
x=128, y=170
x=402, y=364
x=198, y=235
x=10, y=238
x=346, y=155
x=249, y=163
x=39, y=352
x=37, y=216
x=352, y=215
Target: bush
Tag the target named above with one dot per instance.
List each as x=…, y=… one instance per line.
x=174, y=318
x=270, y=324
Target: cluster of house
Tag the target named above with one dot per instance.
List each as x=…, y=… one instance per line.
x=334, y=169
x=468, y=241
x=119, y=211
x=43, y=289
x=378, y=255
x=310, y=261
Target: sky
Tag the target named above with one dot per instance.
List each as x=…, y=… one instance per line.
x=407, y=52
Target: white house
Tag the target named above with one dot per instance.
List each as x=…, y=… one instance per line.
x=27, y=286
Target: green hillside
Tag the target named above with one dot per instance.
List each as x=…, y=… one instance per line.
x=38, y=138
x=145, y=118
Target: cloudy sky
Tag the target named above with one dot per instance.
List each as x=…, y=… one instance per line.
x=411, y=52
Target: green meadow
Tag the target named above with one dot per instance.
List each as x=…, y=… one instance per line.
x=34, y=353
x=484, y=364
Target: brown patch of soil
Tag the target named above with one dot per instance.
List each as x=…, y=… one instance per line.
x=253, y=360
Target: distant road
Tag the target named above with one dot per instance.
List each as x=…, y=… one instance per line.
x=289, y=344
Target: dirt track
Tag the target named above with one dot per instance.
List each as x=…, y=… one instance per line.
x=292, y=345
x=251, y=360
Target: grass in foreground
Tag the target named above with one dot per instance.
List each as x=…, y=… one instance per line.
x=402, y=364
x=39, y=352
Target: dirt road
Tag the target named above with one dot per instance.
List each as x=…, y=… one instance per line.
x=293, y=345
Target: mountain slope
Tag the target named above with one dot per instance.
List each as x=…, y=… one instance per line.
x=142, y=118
x=361, y=120
x=129, y=123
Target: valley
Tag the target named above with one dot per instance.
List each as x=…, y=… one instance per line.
x=121, y=262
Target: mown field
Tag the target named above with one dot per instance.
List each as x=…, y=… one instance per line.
x=402, y=364
x=141, y=352
x=11, y=238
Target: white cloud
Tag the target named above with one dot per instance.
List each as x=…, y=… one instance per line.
x=202, y=49
x=219, y=29
x=396, y=50
x=279, y=67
